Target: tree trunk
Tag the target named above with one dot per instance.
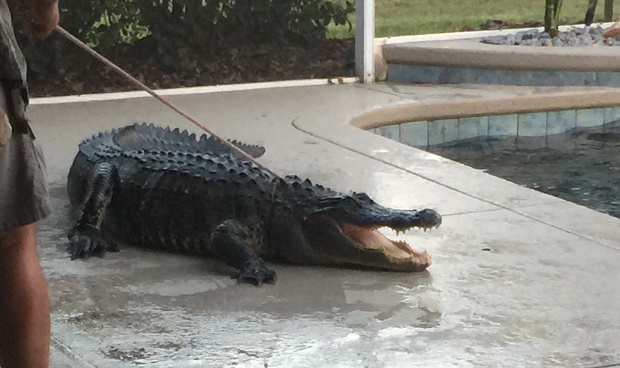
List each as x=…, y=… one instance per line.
x=609, y=10
x=552, y=16
x=548, y=16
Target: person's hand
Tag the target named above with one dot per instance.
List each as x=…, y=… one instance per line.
x=39, y=16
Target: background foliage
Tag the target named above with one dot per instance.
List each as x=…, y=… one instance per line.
x=177, y=27
x=412, y=17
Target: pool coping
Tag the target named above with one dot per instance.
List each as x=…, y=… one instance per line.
x=472, y=53
x=437, y=110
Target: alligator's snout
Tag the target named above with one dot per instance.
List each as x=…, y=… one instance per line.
x=429, y=219
x=354, y=237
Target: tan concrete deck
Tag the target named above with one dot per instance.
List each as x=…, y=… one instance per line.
x=547, y=293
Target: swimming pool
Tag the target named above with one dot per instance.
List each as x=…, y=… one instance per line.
x=581, y=165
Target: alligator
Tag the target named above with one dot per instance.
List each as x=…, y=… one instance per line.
x=161, y=188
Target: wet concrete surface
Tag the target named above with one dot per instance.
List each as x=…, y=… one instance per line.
x=519, y=278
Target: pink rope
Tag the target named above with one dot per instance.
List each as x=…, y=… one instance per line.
x=144, y=87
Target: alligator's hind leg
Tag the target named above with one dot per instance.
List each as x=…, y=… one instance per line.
x=85, y=237
x=230, y=241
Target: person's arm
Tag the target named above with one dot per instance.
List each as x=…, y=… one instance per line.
x=40, y=17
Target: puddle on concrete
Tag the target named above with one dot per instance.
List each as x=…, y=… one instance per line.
x=580, y=166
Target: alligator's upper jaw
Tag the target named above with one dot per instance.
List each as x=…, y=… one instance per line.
x=392, y=255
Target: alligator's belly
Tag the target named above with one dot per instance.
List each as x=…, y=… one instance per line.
x=158, y=229
x=178, y=221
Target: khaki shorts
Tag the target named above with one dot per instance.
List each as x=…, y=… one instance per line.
x=23, y=187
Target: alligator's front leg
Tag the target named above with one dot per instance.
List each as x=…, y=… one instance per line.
x=85, y=237
x=230, y=241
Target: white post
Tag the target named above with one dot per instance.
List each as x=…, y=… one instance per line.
x=365, y=40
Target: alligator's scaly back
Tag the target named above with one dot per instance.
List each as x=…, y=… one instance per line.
x=167, y=188
x=140, y=138
x=150, y=137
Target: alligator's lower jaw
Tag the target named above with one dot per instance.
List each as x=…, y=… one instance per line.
x=399, y=256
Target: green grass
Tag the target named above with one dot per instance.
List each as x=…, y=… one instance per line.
x=411, y=17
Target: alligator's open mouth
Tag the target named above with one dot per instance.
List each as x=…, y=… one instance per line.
x=399, y=254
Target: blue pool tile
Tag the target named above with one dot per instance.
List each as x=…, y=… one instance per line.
x=414, y=134
x=608, y=79
x=489, y=76
x=612, y=114
x=459, y=75
x=398, y=73
x=513, y=77
x=473, y=127
x=503, y=125
x=390, y=131
x=560, y=121
x=549, y=78
x=590, y=117
x=443, y=131
x=401, y=73
x=568, y=78
x=532, y=124
x=427, y=74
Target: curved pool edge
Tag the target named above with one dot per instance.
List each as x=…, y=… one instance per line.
x=437, y=110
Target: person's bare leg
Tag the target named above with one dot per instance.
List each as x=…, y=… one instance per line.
x=24, y=302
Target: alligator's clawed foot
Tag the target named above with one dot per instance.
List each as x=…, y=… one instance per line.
x=87, y=240
x=257, y=274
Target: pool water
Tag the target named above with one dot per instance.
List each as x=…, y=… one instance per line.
x=578, y=166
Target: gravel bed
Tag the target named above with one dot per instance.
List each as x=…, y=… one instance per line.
x=575, y=37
